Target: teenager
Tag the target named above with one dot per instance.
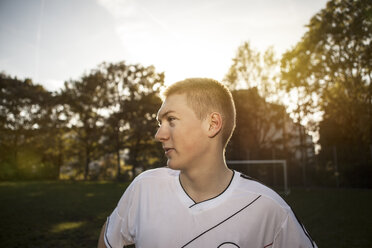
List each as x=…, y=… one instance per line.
x=196, y=200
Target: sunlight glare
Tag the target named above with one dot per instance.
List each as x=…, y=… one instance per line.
x=66, y=226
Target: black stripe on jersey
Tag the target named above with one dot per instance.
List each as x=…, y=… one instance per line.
x=107, y=224
x=303, y=229
x=247, y=177
x=222, y=221
x=268, y=245
x=230, y=243
x=179, y=179
x=253, y=179
x=298, y=220
x=195, y=203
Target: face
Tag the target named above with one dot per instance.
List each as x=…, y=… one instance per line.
x=181, y=133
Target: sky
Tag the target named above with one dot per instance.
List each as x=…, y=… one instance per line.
x=53, y=41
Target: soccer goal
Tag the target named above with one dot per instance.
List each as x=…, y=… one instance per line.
x=275, y=162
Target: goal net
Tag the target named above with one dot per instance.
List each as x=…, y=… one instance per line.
x=270, y=172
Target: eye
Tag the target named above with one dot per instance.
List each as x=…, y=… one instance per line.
x=171, y=118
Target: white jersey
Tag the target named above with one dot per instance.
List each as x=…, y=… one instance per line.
x=155, y=211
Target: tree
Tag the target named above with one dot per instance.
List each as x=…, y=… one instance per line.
x=251, y=69
x=83, y=100
x=113, y=108
x=264, y=131
x=141, y=114
x=132, y=101
x=51, y=134
x=330, y=69
x=22, y=115
x=258, y=119
x=256, y=125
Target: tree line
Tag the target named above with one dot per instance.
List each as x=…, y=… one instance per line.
x=109, y=113
x=108, y=110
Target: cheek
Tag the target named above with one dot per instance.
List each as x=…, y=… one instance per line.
x=189, y=139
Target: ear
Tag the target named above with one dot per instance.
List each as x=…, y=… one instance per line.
x=214, y=124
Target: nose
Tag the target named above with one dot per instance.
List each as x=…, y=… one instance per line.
x=162, y=134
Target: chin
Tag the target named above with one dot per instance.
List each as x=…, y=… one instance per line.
x=174, y=166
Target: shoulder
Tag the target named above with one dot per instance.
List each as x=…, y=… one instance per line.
x=149, y=182
x=249, y=186
x=156, y=175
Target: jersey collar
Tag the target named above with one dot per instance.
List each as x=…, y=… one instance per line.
x=196, y=207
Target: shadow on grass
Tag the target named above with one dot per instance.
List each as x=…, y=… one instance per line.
x=55, y=214
x=335, y=217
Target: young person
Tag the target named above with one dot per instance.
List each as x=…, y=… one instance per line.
x=197, y=201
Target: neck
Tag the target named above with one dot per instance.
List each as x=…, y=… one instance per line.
x=207, y=180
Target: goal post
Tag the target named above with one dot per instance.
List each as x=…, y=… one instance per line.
x=283, y=163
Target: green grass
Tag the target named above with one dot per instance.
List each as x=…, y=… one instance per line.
x=55, y=214
x=335, y=217
x=71, y=214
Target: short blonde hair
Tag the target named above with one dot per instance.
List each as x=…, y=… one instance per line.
x=205, y=96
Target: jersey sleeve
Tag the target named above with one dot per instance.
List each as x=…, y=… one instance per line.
x=120, y=225
x=293, y=234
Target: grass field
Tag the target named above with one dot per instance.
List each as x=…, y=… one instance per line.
x=70, y=214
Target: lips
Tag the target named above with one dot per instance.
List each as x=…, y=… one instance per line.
x=168, y=150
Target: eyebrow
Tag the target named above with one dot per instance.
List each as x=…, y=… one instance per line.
x=164, y=114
